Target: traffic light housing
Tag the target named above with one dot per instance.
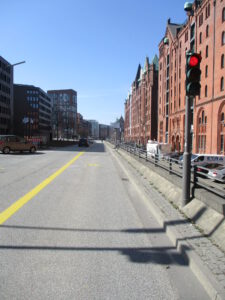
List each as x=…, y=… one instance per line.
x=193, y=74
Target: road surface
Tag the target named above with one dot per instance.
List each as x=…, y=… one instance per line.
x=74, y=227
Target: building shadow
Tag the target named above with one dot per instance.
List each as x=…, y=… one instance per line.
x=94, y=147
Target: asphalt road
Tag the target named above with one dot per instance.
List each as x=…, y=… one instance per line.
x=84, y=233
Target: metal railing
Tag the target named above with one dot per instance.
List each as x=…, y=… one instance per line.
x=174, y=166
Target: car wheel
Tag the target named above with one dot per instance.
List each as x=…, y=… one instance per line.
x=32, y=150
x=6, y=150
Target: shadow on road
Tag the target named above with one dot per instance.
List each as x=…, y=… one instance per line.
x=95, y=147
x=156, y=255
x=24, y=153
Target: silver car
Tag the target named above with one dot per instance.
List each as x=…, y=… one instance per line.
x=217, y=174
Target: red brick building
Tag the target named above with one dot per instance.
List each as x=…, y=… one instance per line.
x=204, y=32
x=140, y=123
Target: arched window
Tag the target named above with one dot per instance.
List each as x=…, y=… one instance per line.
x=222, y=134
x=206, y=71
x=206, y=91
x=223, y=15
x=203, y=116
x=200, y=38
x=222, y=84
x=223, y=38
x=222, y=61
x=207, y=31
x=207, y=51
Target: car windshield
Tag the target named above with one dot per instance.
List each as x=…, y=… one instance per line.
x=193, y=156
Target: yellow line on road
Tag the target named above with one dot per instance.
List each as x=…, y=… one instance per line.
x=11, y=210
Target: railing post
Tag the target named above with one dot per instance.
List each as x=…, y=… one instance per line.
x=195, y=176
x=195, y=180
x=170, y=165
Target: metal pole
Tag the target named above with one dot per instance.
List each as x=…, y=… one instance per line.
x=187, y=155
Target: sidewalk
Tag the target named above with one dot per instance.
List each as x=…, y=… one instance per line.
x=206, y=260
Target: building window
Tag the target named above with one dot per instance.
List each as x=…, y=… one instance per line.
x=223, y=38
x=206, y=51
x=223, y=15
x=207, y=31
x=201, y=19
x=222, y=61
x=200, y=38
x=203, y=116
x=206, y=71
x=202, y=126
x=206, y=91
x=207, y=11
x=222, y=84
x=221, y=143
x=222, y=133
x=186, y=36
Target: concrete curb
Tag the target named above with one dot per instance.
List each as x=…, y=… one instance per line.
x=202, y=272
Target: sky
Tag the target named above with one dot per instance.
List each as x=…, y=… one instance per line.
x=91, y=46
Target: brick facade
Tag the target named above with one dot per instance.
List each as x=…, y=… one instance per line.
x=140, y=123
x=204, y=32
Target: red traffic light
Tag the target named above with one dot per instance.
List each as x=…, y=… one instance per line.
x=194, y=60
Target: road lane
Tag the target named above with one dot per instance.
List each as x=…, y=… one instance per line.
x=86, y=237
x=6, y=214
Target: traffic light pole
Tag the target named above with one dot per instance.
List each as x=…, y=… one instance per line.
x=187, y=154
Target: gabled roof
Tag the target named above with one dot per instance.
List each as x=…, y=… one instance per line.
x=155, y=62
x=146, y=64
x=138, y=73
x=173, y=28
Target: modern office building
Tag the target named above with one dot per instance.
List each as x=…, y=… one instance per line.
x=64, y=113
x=116, y=131
x=6, y=97
x=204, y=33
x=33, y=111
x=103, y=131
x=94, y=128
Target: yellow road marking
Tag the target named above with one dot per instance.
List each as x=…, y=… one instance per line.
x=11, y=210
x=93, y=165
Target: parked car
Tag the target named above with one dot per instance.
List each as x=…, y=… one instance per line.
x=217, y=174
x=83, y=142
x=204, y=169
x=201, y=159
x=174, y=156
x=15, y=143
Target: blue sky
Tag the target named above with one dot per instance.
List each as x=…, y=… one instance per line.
x=91, y=46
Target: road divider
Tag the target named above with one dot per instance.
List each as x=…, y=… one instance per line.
x=11, y=210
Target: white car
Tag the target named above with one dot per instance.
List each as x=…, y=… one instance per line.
x=217, y=174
